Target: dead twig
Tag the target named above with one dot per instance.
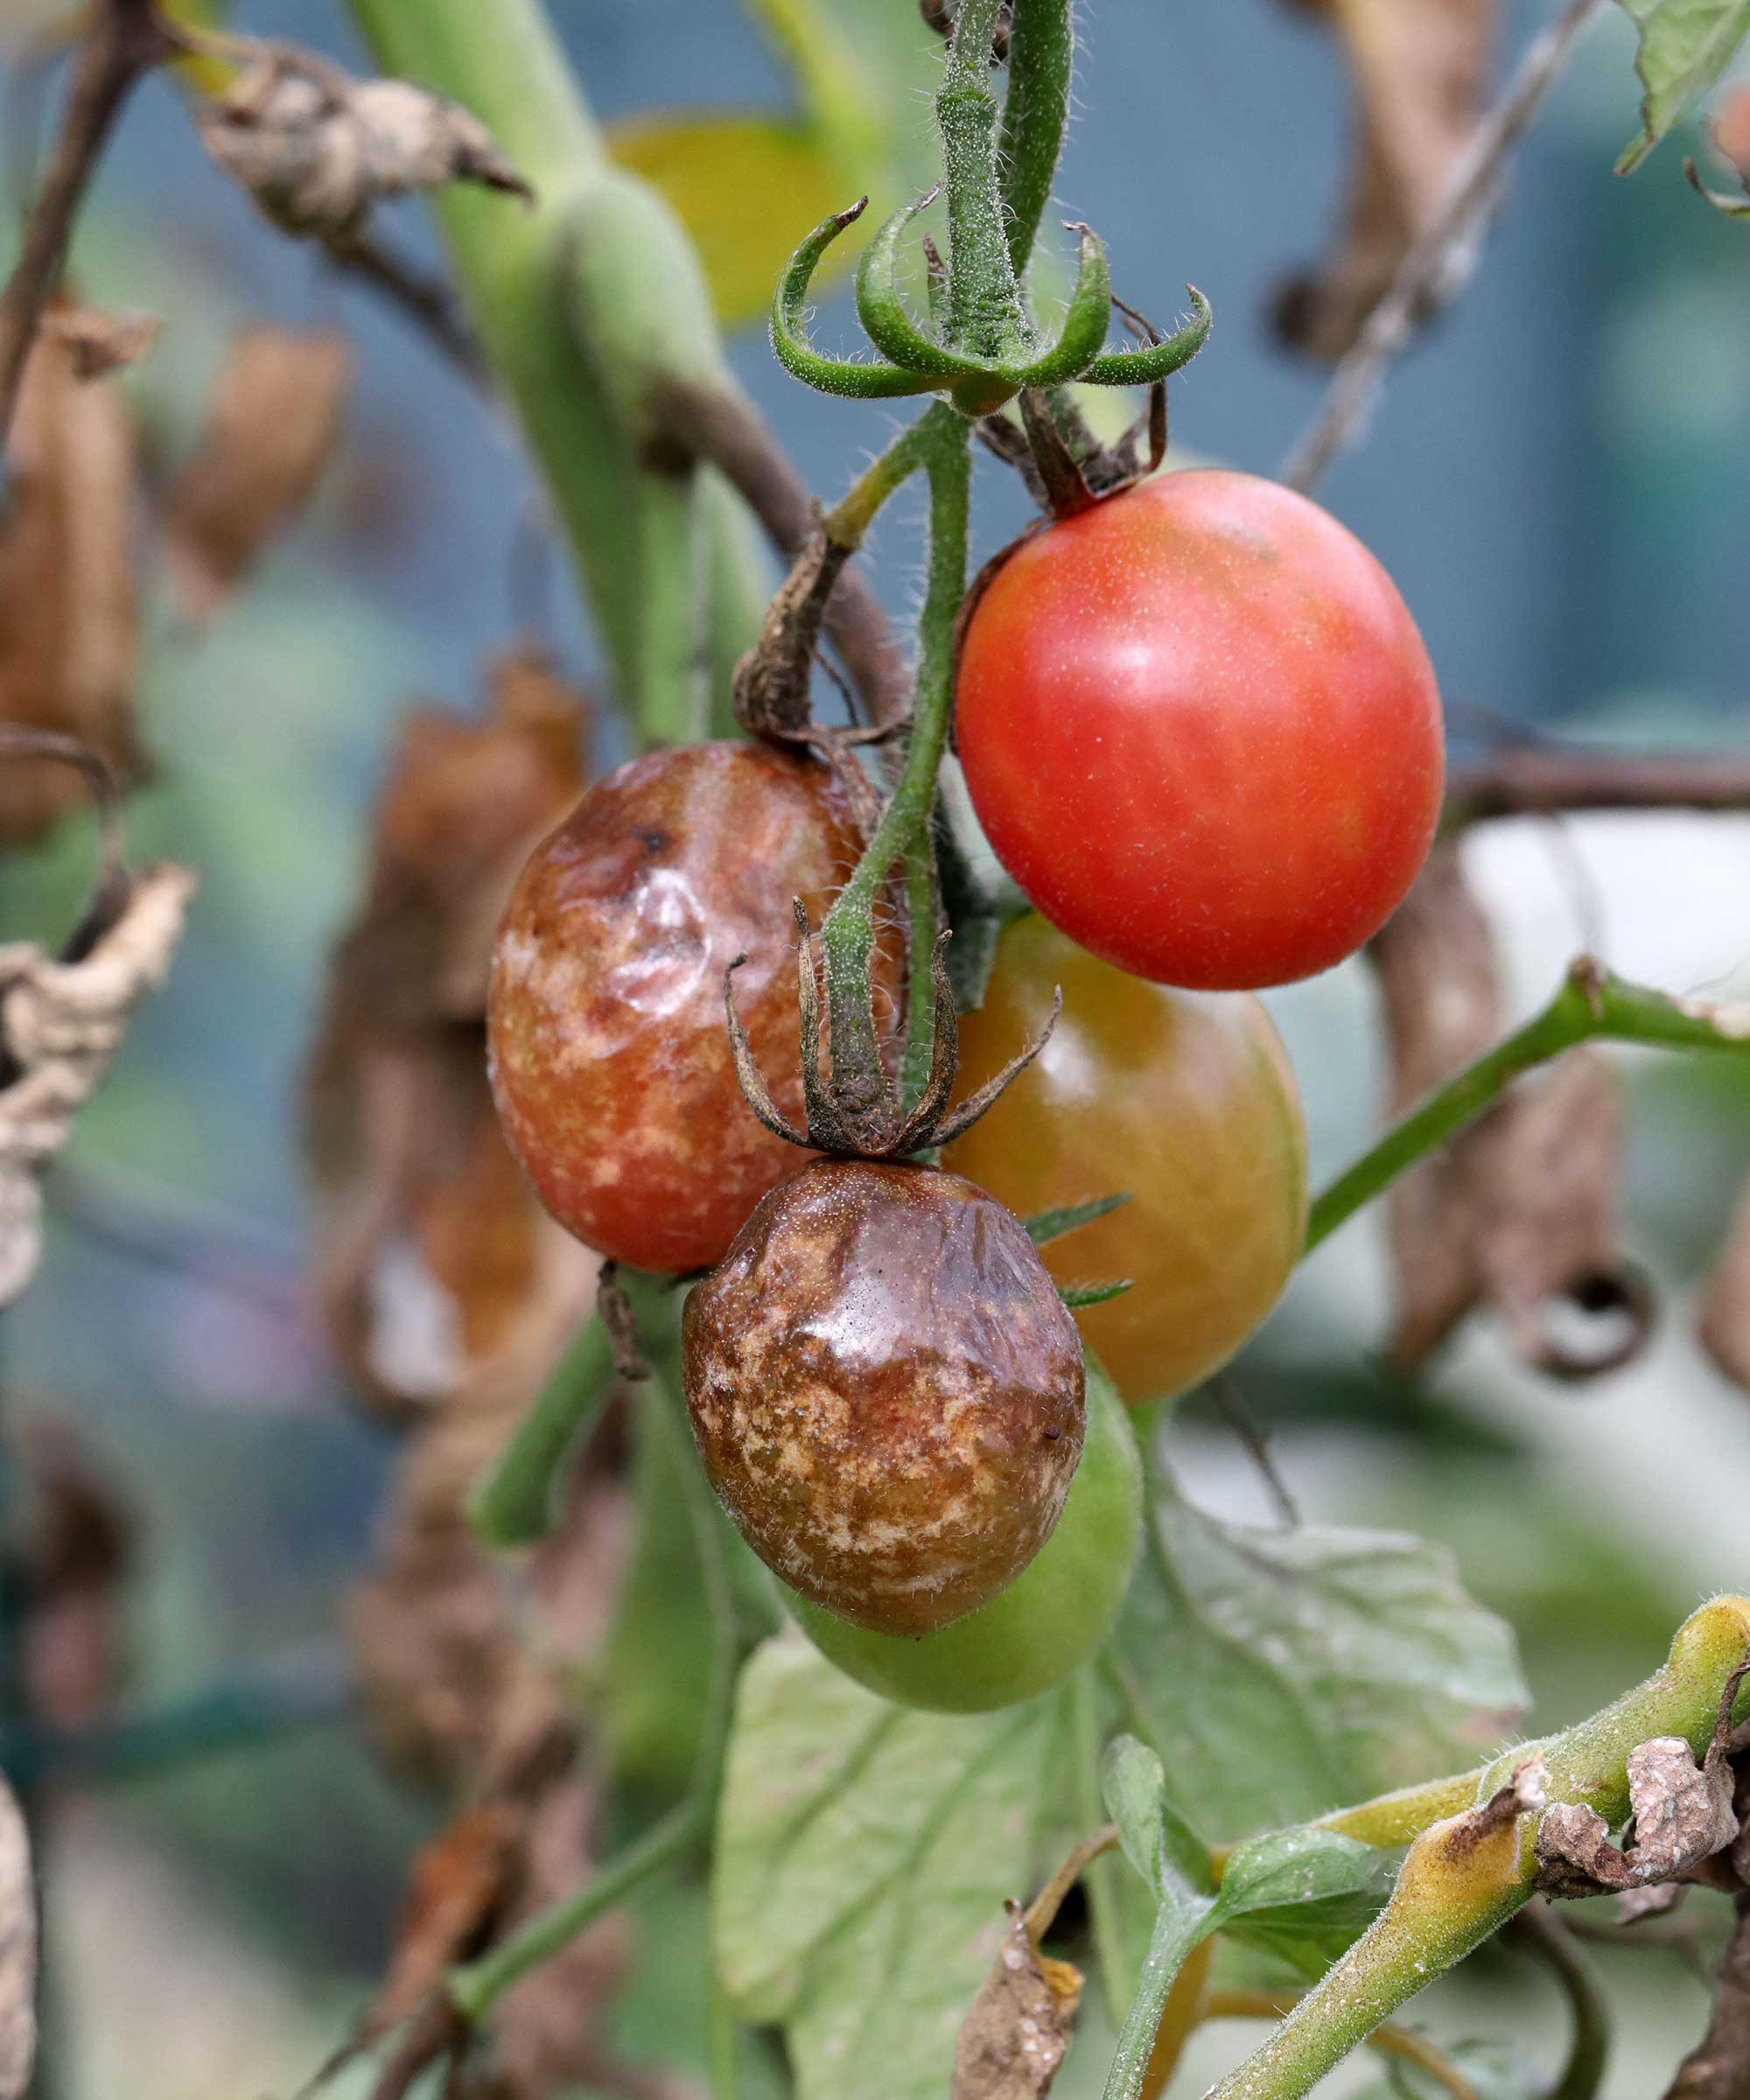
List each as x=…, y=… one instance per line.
x=125, y=39
x=1457, y=223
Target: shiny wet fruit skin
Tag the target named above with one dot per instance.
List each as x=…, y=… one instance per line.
x=1050, y=1619
x=1186, y=1100
x=886, y=1391
x=609, y=1059
x=1201, y=730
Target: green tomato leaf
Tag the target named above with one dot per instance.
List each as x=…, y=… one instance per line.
x=1155, y=1838
x=1045, y=1226
x=1281, y=1674
x=1685, y=45
x=862, y=1853
x=1493, y=2070
x=1305, y=1894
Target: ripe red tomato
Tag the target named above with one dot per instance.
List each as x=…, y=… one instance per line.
x=1186, y=1100
x=885, y=1390
x=1049, y=1620
x=608, y=1054
x=1201, y=732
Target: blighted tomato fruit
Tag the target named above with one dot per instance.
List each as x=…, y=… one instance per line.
x=886, y=1391
x=1201, y=732
x=1048, y=1622
x=609, y=1059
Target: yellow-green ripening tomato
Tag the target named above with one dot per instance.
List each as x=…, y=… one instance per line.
x=1185, y=1099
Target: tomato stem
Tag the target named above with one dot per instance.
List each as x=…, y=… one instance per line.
x=1592, y=1006
x=983, y=297
x=514, y=1503
x=848, y=939
x=476, y=1986
x=1035, y=110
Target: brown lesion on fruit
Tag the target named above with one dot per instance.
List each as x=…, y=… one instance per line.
x=886, y=1391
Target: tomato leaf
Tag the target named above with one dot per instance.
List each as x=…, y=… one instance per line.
x=1685, y=45
x=1155, y=1838
x=1045, y=1226
x=862, y=1853
x=1304, y=1895
x=1493, y=2070
x=1280, y=1674
x=1077, y=1295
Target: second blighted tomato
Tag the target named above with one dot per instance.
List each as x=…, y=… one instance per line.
x=609, y=1059
x=1202, y=732
x=1185, y=1099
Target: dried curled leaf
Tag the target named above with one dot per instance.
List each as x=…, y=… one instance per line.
x=1683, y=1814
x=61, y=1026
x=1421, y=76
x=1719, y=2067
x=17, y=1952
x=1518, y=1213
x=101, y=343
x=434, y=1258
x=1017, y=2033
x=272, y=424
x=69, y=614
x=316, y=148
x=1724, y=1312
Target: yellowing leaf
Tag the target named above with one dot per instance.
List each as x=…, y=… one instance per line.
x=746, y=188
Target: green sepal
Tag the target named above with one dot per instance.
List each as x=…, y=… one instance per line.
x=883, y=314
x=1045, y=1226
x=790, y=345
x=1076, y=1296
x=1143, y=368
x=1084, y=334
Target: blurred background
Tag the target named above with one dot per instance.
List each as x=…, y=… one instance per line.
x=1555, y=479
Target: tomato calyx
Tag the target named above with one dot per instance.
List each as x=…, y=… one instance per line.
x=915, y=359
x=854, y=1114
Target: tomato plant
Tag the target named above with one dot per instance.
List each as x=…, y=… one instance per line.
x=1185, y=1101
x=1201, y=732
x=1049, y=1620
x=609, y=1061
x=886, y=1391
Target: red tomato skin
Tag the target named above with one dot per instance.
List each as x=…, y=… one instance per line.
x=608, y=1054
x=1201, y=732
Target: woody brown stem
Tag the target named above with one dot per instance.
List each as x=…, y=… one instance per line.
x=1525, y=780
x=124, y=39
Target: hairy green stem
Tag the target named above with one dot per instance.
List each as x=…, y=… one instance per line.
x=1035, y=110
x=477, y=1987
x=984, y=298
x=1177, y=1928
x=513, y=1504
x=1592, y=1005
x=1466, y=1876
x=848, y=940
x=850, y=518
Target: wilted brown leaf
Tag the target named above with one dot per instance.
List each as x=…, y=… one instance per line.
x=1016, y=2032
x=1719, y=2067
x=1421, y=74
x=101, y=343
x=1519, y=1211
x=272, y=424
x=61, y=1026
x=317, y=148
x=17, y=1952
x=433, y=1255
x=68, y=615
x=77, y=1547
x=458, y=1882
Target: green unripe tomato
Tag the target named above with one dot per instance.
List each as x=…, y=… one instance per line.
x=1049, y=1620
